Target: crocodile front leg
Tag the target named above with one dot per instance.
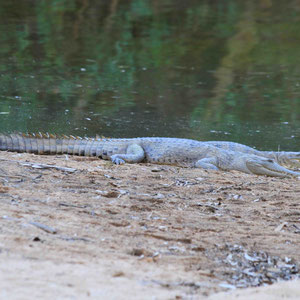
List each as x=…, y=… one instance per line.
x=208, y=163
x=134, y=154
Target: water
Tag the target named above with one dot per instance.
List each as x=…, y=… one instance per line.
x=209, y=70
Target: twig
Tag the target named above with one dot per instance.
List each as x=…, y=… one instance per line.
x=66, y=238
x=72, y=205
x=44, y=227
x=13, y=176
x=45, y=166
x=41, y=166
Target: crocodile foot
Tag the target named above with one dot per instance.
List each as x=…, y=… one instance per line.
x=117, y=160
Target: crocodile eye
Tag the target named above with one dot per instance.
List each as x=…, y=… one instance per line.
x=270, y=160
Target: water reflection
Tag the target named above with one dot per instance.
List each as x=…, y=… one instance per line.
x=197, y=69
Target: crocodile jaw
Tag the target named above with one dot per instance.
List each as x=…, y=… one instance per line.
x=265, y=166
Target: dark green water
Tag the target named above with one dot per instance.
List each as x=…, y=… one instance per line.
x=220, y=70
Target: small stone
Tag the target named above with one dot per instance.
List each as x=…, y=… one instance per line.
x=159, y=196
x=199, y=178
x=118, y=274
x=155, y=170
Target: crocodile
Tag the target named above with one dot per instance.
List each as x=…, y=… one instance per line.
x=174, y=151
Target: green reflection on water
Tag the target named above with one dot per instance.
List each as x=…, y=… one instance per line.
x=198, y=69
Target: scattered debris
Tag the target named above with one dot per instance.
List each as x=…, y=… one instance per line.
x=108, y=194
x=4, y=189
x=256, y=268
x=281, y=226
x=296, y=228
x=123, y=223
x=141, y=252
x=208, y=207
x=165, y=284
x=166, y=238
x=184, y=182
x=227, y=286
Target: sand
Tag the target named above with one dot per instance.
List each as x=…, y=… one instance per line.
x=143, y=231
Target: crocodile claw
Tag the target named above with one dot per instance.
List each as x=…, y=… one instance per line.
x=117, y=160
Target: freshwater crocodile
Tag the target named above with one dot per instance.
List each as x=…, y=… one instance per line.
x=181, y=152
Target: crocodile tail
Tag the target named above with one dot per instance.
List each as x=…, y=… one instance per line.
x=44, y=143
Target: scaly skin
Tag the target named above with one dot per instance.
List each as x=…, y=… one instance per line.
x=287, y=159
x=182, y=152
